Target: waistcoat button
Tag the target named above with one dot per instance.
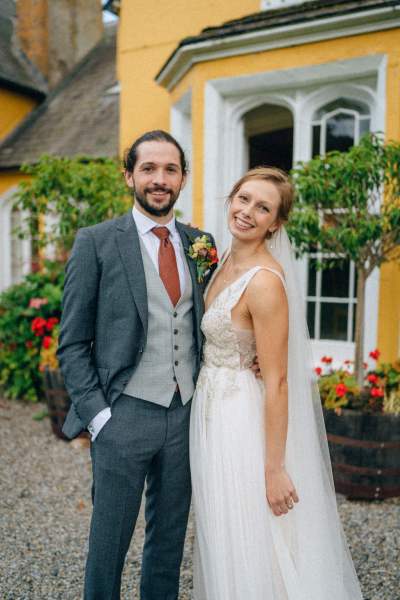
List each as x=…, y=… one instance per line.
x=176, y=363
x=176, y=347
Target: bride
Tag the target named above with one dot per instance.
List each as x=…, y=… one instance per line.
x=266, y=517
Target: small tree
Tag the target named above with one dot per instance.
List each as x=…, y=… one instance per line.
x=64, y=194
x=348, y=206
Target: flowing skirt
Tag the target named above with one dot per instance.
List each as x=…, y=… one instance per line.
x=243, y=551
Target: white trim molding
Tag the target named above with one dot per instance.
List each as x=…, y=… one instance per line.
x=302, y=91
x=313, y=30
x=7, y=277
x=181, y=129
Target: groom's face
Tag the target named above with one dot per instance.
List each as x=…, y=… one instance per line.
x=157, y=178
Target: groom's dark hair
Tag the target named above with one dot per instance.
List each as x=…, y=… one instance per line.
x=158, y=135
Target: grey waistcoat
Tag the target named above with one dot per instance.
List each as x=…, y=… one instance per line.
x=169, y=357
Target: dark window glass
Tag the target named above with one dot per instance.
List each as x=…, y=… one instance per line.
x=335, y=281
x=273, y=148
x=316, y=140
x=340, y=132
x=354, y=322
x=333, y=321
x=311, y=318
x=364, y=126
x=312, y=277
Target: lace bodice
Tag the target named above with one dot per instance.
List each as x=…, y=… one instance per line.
x=225, y=345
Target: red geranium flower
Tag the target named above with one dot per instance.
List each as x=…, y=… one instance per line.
x=29, y=344
x=348, y=362
x=38, y=326
x=372, y=378
x=377, y=392
x=326, y=359
x=318, y=370
x=47, y=341
x=341, y=389
x=375, y=354
x=51, y=322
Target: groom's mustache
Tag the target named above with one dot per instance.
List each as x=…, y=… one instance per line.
x=158, y=189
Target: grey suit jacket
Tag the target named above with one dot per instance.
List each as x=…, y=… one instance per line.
x=104, y=319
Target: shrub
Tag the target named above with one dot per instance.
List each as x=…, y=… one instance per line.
x=29, y=311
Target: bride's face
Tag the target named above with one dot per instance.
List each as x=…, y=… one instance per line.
x=253, y=210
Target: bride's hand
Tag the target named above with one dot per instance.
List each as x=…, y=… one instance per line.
x=281, y=493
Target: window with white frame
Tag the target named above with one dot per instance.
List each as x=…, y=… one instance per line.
x=331, y=292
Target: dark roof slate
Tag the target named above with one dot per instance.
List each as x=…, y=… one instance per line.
x=268, y=19
x=16, y=72
x=79, y=117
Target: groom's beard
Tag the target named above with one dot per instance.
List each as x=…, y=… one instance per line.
x=155, y=210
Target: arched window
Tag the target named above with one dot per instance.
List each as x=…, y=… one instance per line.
x=331, y=292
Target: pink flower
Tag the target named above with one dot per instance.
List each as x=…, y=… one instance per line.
x=37, y=302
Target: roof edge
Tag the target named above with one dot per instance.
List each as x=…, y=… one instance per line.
x=320, y=28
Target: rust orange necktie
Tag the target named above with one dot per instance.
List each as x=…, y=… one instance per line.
x=168, y=268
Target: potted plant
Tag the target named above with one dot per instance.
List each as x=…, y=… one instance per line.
x=363, y=426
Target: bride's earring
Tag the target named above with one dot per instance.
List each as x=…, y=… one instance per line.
x=271, y=241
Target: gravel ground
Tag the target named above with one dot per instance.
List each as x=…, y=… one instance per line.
x=45, y=511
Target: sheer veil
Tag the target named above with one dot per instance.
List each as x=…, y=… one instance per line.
x=319, y=556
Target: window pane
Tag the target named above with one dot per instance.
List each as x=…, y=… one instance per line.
x=340, y=132
x=333, y=321
x=311, y=318
x=365, y=125
x=335, y=281
x=312, y=277
x=316, y=140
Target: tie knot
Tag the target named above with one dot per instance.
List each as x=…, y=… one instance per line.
x=161, y=232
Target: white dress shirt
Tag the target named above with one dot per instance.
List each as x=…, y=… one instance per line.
x=151, y=242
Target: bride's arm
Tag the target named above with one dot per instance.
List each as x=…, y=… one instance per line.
x=267, y=304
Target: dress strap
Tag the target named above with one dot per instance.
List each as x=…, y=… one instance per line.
x=241, y=284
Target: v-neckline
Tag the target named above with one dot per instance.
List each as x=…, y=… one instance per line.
x=226, y=287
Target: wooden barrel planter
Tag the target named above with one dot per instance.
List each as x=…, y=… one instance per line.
x=365, y=453
x=58, y=402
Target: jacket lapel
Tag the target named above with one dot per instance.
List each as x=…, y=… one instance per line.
x=131, y=256
x=198, y=301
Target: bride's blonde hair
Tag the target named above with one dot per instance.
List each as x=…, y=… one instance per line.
x=282, y=183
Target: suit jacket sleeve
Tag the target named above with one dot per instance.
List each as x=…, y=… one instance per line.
x=78, y=329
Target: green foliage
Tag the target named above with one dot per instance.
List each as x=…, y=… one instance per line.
x=64, y=194
x=340, y=208
x=38, y=296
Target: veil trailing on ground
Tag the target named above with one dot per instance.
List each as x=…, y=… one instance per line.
x=326, y=571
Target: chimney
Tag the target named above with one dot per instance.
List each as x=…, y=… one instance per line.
x=56, y=34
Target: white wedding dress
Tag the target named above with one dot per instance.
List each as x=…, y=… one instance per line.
x=243, y=551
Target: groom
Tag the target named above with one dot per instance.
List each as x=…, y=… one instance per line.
x=130, y=346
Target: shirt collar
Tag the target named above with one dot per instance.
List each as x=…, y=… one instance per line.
x=144, y=224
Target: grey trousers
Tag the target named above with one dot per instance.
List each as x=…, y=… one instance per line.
x=141, y=442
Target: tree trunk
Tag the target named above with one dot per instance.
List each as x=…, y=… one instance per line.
x=359, y=333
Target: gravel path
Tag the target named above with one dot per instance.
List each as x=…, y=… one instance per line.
x=45, y=511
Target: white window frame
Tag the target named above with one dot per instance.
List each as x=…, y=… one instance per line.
x=7, y=277
x=302, y=90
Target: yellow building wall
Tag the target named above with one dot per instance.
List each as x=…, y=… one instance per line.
x=9, y=179
x=146, y=38
x=14, y=108
x=388, y=43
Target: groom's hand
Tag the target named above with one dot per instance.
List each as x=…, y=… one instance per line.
x=255, y=367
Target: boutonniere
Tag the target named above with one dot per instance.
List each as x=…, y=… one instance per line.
x=204, y=254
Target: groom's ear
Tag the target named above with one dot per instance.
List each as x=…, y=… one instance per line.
x=129, y=179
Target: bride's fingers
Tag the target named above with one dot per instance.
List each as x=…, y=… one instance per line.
x=294, y=496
